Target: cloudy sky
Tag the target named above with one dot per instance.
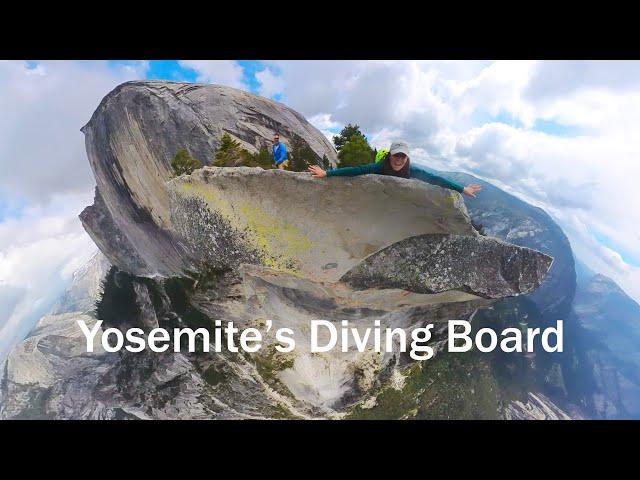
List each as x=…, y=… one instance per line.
x=559, y=134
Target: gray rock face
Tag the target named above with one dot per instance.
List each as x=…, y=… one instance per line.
x=536, y=407
x=111, y=241
x=131, y=139
x=50, y=375
x=483, y=266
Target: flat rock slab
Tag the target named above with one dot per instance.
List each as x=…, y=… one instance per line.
x=318, y=228
x=483, y=266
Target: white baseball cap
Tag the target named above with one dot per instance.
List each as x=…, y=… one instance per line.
x=399, y=147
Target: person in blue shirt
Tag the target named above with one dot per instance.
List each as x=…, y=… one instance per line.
x=397, y=164
x=279, y=153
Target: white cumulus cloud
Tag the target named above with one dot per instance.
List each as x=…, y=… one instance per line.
x=46, y=180
x=221, y=72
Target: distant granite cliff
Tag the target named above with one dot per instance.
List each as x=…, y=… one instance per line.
x=85, y=288
x=611, y=320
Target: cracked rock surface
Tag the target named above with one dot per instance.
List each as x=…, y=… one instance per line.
x=484, y=266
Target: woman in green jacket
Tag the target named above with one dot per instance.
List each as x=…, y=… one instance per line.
x=397, y=164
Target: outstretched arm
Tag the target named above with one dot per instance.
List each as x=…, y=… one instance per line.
x=318, y=172
x=426, y=176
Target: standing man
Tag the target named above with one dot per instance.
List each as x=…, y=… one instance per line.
x=279, y=153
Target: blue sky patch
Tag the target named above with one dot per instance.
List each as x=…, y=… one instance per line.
x=631, y=258
x=10, y=208
x=170, y=70
x=249, y=69
x=482, y=117
x=550, y=127
x=174, y=71
x=554, y=128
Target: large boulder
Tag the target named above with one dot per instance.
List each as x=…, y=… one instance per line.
x=435, y=263
x=295, y=223
x=131, y=139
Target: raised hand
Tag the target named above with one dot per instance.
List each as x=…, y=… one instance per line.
x=471, y=189
x=317, y=172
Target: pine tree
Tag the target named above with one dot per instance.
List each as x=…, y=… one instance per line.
x=262, y=159
x=184, y=163
x=301, y=155
x=346, y=135
x=230, y=153
x=355, y=152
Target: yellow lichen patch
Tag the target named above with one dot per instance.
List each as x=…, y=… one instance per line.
x=212, y=198
x=271, y=231
x=451, y=200
x=280, y=243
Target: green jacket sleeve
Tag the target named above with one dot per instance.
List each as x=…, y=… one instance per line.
x=354, y=171
x=426, y=176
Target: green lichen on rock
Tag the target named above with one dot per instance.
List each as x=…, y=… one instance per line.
x=270, y=362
